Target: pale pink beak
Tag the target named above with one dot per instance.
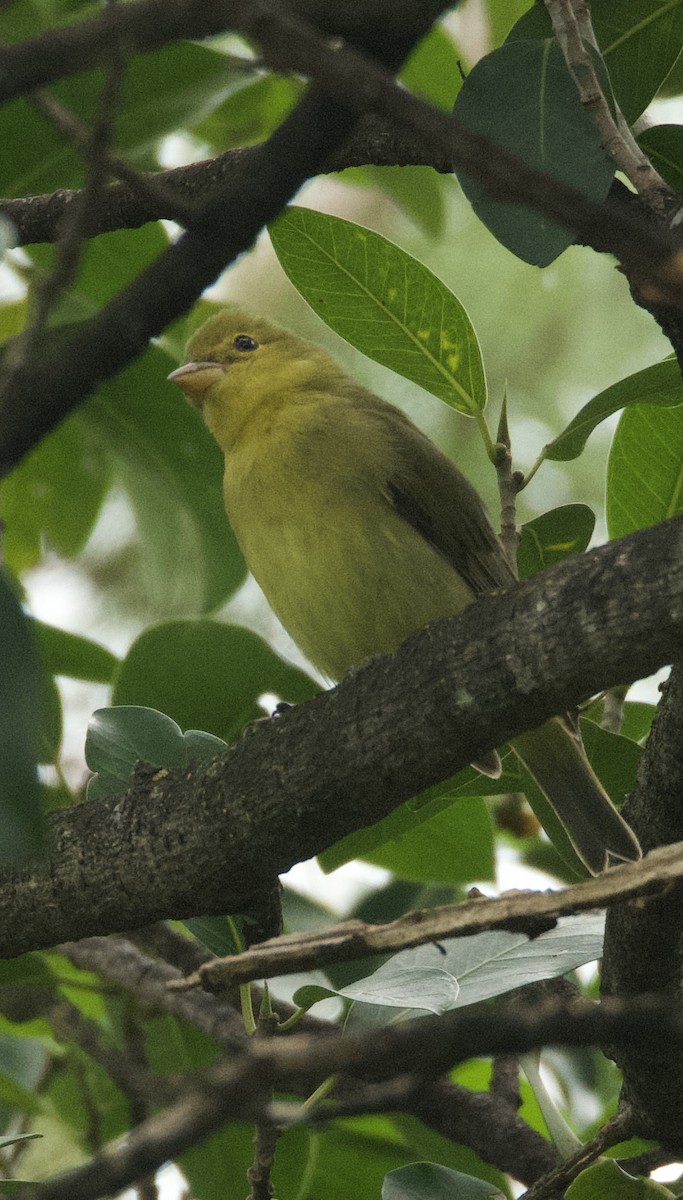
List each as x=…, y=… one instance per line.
x=195, y=379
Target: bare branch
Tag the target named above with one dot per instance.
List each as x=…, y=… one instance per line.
x=529, y=912
x=574, y=32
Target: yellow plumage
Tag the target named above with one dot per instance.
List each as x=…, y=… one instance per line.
x=359, y=530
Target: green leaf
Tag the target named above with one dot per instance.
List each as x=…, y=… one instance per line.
x=172, y=470
x=118, y=738
x=206, y=675
x=480, y=967
x=418, y=191
x=455, y=845
x=162, y=91
x=606, y=1178
x=76, y=657
x=659, y=384
x=640, y=41
x=523, y=97
x=429, y=1181
x=50, y=724
x=19, y=1099
x=20, y=706
x=430, y=838
x=384, y=302
x=645, y=469
x=432, y=70
x=251, y=113
x=553, y=536
x=218, y=933
x=106, y=264
x=54, y=496
x=312, y=993
x=663, y=145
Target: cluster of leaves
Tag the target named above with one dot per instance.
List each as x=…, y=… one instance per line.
x=189, y=684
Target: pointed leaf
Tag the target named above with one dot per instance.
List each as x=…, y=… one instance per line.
x=659, y=384
x=384, y=302
x=553, y=536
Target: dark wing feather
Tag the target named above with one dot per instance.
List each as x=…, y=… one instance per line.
x=431, y=494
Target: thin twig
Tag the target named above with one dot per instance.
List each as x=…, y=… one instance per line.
x=554, y=1184
x=573, y=30
x=528, y=911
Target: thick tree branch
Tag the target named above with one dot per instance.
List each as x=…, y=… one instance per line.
x=643, y=948
x=205, y=840
x=173, y=194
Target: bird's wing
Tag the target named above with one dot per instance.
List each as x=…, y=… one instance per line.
x=431, y=494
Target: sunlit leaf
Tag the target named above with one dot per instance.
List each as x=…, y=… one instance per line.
x=645, y=469
x=384, y=302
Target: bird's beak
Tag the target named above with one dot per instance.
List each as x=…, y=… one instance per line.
x=195, y=379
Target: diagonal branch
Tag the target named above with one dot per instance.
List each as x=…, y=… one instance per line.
x=204, y=840
x=530, y=912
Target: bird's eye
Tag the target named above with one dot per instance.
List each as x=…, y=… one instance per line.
x=244, y=342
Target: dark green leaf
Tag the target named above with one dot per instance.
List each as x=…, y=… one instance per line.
x=429, y=1181
x=658, y=384
x=384, y=302
x=310, y=994
x=20, y=705
x=106, y=264
x=77, y=657
x=436, y=840
x=645, y=469
x=663, y=145
x=206, y=675
x=639, y=41
x=54, y=495
x=162, y=92
x=218, y=933
x=172, y=471
x=523, y=97
x=49, y=721
x=553, y=536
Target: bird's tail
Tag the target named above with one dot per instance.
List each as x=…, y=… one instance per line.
x=557, y=760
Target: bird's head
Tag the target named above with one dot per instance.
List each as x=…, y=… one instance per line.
x=237, y=363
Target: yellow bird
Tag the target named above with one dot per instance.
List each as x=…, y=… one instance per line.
x=360, y=531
